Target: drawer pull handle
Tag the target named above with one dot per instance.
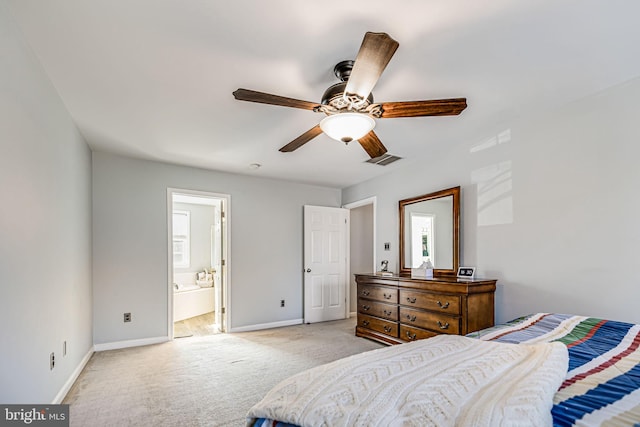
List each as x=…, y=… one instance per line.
x=387, y=329
x=443, y=325
x=411, y=318
x=365, y=323
x=411, y=336
x=388, y=313
x=365, y=293
x=387, y=296
x=366, y=307
x=441, y=305
x=411, y=300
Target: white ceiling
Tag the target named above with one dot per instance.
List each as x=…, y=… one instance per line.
x=153, y=78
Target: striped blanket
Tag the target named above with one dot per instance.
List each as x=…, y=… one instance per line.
x=602, y=386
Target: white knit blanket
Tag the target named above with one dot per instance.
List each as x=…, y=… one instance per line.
x=446, y=380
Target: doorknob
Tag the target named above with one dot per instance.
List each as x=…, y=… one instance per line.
x=308, y=270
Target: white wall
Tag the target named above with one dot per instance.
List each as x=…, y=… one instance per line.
x=45, y=229
x=549, y=206
x=130, y=244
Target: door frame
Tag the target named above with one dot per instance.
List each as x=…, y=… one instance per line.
x=226, y=252
x=359, y=203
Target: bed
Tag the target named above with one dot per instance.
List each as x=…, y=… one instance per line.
x=602, y=385
x=596, y=384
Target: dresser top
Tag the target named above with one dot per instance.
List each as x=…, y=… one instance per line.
x=449, y=279
x=451, y=283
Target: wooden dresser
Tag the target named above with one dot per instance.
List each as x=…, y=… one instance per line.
x=394, y=310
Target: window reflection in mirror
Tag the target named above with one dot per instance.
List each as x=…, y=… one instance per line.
x=422, y=239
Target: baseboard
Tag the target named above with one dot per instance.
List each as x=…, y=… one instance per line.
x=353, y=314
x=72, y=379
x=130, y=343
x=266, y=326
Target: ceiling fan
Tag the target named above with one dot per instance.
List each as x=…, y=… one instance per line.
x=348, y=105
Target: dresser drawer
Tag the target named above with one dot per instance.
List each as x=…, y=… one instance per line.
x=429, y=301
x=407, y=333
x=378, y=309
x=378, y=293
x=379, y=325
x=437, y=322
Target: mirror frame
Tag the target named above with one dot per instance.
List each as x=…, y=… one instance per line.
x=455, y=192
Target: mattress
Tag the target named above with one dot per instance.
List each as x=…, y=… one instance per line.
x=602, y=385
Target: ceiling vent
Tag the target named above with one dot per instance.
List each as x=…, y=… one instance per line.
x=383, y=160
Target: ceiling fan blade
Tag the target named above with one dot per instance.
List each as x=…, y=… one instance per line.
x=267, y=98
x=435, y=107
x=372, y=145
x=374, y=55
x=302, y=139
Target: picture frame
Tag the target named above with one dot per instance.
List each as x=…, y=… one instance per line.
x=466, y=272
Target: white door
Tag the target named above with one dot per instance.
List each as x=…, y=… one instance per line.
x=216, y=263
x=325, y=263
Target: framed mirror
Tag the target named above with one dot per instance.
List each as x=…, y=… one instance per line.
x=430, y=230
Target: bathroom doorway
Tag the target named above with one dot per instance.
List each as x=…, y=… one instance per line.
x=198, y=262
x=362, y=244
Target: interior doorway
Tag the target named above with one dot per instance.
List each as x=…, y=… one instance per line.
x=198, y=238
x=326, y=239
x=362, y=244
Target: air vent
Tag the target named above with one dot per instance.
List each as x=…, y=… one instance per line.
x=384, y=160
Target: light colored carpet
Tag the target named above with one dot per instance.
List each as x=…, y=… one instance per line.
x=202, y=381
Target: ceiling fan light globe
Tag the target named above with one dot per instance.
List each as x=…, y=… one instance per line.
x=346, y=127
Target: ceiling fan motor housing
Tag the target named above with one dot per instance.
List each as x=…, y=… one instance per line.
x=342, y=70
x=335, y=95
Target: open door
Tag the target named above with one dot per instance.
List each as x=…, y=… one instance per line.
x=325, y=263
x=216, y=263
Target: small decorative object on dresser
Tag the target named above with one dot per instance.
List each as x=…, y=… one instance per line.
x=384, y=269
x=394, y=310
x=424, y=271
x=466, y=272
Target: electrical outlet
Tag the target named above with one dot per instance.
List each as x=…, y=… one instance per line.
x=52, y=361
x=127, y=317
x=281, y=303
x=64, y=348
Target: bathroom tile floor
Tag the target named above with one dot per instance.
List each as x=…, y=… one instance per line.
x=196, y=326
